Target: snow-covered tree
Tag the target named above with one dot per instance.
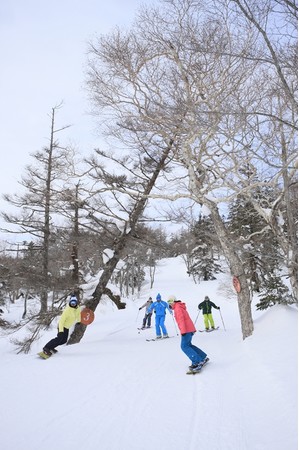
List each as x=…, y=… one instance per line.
x=273, y=292
x=257, y=244
x=204, y=257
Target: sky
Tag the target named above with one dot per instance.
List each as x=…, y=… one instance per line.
x=116, y=391
x=43, y=54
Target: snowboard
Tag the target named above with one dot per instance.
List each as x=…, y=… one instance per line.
x=45, y=356
x=87, y=316
x=208, y=331
x=194, y=372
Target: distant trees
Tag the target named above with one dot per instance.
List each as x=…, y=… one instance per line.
x=144, y=250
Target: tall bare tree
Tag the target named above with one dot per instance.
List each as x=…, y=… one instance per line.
x=37, y=204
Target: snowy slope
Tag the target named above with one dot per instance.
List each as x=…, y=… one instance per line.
x=115, y=391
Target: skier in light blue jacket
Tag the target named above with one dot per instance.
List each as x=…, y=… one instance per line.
x=159, y=306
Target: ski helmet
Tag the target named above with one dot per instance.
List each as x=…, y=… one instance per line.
x=73, y=302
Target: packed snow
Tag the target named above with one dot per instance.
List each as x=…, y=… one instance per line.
x=116, y=391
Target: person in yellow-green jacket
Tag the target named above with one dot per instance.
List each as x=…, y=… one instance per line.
x=70, y=315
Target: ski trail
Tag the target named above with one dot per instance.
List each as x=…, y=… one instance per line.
x=209, y=421
x=220, y=417
x=195, y=414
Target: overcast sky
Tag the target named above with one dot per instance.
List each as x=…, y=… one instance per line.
x=43, y=50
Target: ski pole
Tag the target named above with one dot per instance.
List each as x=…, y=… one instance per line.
x=137, y=315
x=222, y=319
x=174, y=325
x=196, y=318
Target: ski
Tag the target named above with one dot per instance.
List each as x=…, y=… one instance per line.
x=195, y=371
x=161, y=339
x=209, y=331
x=144, y=328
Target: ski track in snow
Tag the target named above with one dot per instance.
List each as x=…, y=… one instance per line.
x=210, y=416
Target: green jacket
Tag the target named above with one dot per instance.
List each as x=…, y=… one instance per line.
x=206, y=306
x=69, y=317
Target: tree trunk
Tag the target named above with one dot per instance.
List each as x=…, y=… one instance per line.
x=46, y=227
x=236, y=268
x=74, y=255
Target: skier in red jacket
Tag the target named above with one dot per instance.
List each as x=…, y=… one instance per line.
x=187, y=329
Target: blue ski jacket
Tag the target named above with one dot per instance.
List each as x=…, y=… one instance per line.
x=160, y=308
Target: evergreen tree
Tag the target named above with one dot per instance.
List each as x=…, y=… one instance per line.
x=274, y=292
x=203, y=259
x=256, y=242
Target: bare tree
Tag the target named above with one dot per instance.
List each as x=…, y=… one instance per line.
x=41, y=185
x=271, y=120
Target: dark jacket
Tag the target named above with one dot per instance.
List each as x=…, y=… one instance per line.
x=206, y=306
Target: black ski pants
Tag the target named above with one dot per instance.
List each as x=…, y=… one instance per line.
x=147, y=318
x=60, y=339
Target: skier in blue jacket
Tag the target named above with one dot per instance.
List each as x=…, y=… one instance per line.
x=159, y=306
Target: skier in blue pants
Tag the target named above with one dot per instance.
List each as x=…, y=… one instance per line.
x=159, y=306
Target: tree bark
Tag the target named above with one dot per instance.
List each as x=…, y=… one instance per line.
x=236, y=268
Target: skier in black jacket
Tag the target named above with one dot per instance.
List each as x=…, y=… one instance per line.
x=206, y=307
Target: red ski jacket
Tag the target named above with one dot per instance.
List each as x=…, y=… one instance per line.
x=182, y=318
